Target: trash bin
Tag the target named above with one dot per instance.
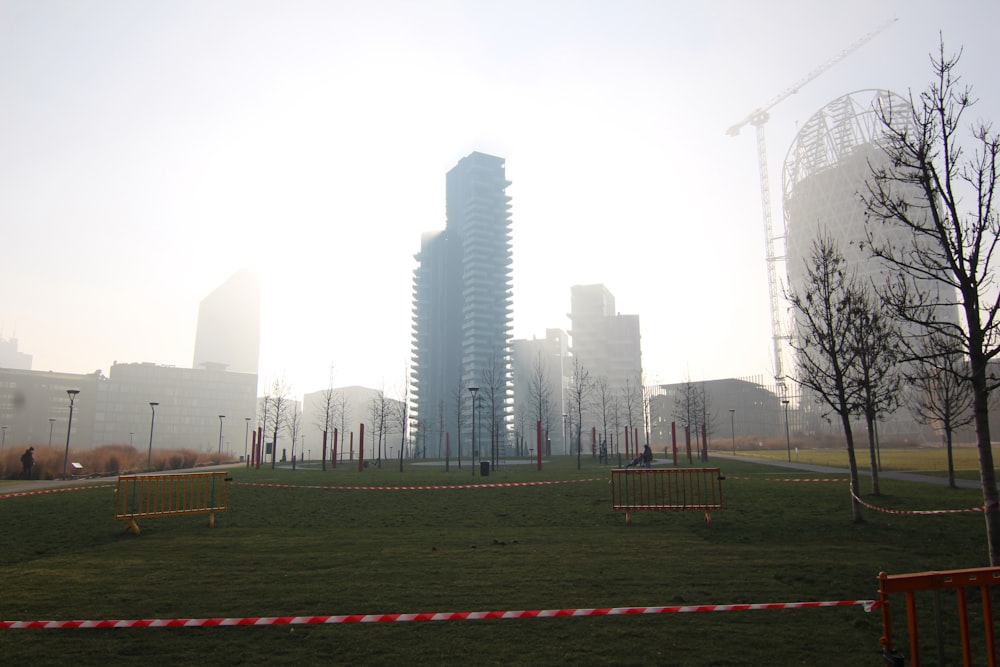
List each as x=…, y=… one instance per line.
x=484, y=468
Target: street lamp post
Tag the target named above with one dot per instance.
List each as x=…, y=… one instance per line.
x=246, y=442
x=69, y=425
x=52, y=422
x=473, y=391
x=732, y=426
x=152, y=419
x=4, y=440
x=788, y=440
x=221, y=417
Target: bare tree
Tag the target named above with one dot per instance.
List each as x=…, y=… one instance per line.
x=604, y=398
x=940, y=396
x=326, y=409
x=494, y=391
x=687, y=410
x=540, y=392
x=580, y=392
x=400, y=418
x=633, y=403
x=459, y=394
x=876, y=342
x=279, y=402
x=293, y=426
x=343, y=410
x=942, y=195
x=825, y=350
x=379, y=414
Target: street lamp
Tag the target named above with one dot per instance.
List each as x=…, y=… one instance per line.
x=473, y=391
x=246, y=442
x=732, y=426
x=152, y=419
x=52, y=422
x=221, y=417
x=69, y=425
x=788, y=441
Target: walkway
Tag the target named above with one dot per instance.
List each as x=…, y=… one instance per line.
x=885, y=474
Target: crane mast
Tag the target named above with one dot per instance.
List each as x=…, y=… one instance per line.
x=758, y=118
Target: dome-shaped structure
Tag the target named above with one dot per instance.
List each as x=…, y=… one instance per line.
x=826, y=171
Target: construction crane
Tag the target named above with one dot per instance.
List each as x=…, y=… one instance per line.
x=758, y=118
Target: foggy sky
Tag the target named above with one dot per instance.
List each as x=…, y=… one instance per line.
x=151, y=150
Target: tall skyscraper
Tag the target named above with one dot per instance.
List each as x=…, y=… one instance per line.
x=228, y=336
x=462, y=308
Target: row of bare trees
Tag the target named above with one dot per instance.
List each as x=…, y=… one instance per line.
x=936, y=187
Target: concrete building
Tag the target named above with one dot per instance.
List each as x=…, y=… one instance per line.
x=10, y=357
x=228, y=334
x=462, y=310
x=541, y=375
x=606, y=342
x=345, y=409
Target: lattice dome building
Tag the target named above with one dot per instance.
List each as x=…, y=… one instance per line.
x=825, y=174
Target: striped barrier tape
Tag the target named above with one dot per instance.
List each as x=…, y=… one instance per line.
x=868, y=606
x=792, y=479
x=423, y=487
x=58, y=490
x=915, y=512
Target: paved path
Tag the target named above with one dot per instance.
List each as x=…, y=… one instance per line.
x=885, y=474
x=23, y=486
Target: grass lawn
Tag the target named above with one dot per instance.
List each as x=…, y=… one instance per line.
x=308, y=549
x=929, y=460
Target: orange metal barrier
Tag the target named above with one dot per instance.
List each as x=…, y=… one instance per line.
x=142, y=496
x=666, y=489
x=959, y=581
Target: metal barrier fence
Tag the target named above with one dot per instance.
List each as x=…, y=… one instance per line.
x=144, y=496
x=957, y=580
x=666, y=489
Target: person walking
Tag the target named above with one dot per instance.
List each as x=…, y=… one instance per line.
x=647, y=457
x=27, y=462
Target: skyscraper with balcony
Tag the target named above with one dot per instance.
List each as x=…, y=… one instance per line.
x=462, y=309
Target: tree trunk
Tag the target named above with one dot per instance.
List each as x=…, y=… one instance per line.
x=951, y=460
x=852, y=462
x=986, y=472
x=870, y=424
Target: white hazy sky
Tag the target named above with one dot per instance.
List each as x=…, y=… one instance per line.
x=148, y=150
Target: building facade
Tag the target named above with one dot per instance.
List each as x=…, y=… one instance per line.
x=462, y=311
x=228, y=334
x=826, y=172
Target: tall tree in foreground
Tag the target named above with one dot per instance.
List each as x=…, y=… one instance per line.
x=938, y=186
x=825, y=352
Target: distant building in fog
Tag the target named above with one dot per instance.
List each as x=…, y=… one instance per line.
x=541, y=366
x=462, y=308
x=606, y=343
x=11, y=358
x=228, y=334
x=115, y=410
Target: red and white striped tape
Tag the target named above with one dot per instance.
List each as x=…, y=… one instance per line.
x=424, y=487
x=791, y=479
x=915, y=512
x=868, y=605
x=56, y=490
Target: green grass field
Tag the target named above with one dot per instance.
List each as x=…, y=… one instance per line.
x=928, y=460
x=307, y=549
